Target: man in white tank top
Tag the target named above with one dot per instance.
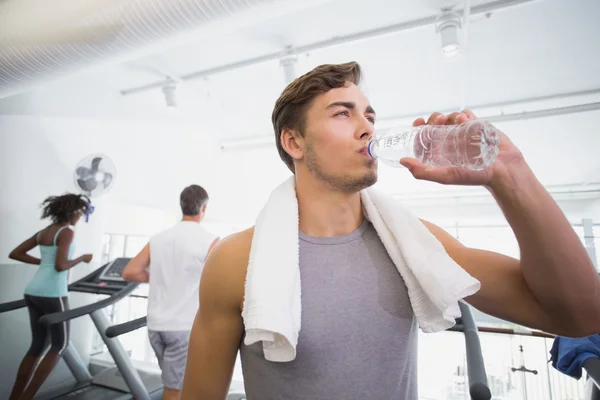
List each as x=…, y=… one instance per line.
x=172, y=262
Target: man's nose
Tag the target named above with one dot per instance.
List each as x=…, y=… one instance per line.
x=367, y=130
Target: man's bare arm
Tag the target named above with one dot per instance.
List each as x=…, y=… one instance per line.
x=137, y=269
x=218, y=327
x=554, y=263
x=536, y=291
x=504, y=293
x=554, y=282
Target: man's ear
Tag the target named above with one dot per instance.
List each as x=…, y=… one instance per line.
x=293, y=143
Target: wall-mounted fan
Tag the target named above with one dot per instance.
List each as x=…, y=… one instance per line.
x=94, y=175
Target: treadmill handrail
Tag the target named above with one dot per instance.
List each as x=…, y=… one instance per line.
x=12, y=305
x=84, y=279
x=57, y=317
x=125, y=327
x=478, y=388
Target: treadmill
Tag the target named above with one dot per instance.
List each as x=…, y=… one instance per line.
x=477, y=377
x=122, y=381
x=137, y=385
x=475, y=362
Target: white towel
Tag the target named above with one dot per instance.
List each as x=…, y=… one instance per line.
x=272, y=306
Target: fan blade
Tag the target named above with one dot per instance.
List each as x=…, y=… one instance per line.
x=87, y=184
x=83, y=172
x=107, y=180
x=95, y=163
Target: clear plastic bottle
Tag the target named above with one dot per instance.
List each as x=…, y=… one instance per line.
x=472, y=145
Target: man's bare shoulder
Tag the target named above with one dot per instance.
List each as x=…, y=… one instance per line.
x=235, y=248
x=225, y=269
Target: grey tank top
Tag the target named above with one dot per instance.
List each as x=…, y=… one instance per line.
x=358, y=338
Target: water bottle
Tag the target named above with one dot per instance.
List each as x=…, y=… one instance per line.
x=472, y=145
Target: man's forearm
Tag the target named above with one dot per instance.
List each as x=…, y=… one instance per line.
x=554, y=263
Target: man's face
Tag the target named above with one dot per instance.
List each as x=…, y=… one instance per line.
x=339, y=124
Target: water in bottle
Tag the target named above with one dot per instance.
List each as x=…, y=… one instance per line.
x=472, y=145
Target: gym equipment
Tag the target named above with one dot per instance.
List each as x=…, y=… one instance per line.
x=522, y=368
x=592, y=368
x=517, y=332
x=122, y=381
x=478, y=387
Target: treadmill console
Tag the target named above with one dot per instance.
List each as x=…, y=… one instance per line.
x=114, y=270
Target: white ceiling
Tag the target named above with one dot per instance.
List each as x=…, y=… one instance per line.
x=541, y=48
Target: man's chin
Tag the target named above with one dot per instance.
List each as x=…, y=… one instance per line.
x=371, y=179
x=364, y=182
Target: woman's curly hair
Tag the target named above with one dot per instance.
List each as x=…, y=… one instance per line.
x=62, y=209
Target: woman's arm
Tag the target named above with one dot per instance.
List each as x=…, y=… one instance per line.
x=20, y=252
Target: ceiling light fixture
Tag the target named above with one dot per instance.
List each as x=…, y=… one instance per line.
x=448, y=25
x=169, y=89
x=288, y=62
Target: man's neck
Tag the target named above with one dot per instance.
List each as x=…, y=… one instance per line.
x=191, y=218
x=326, y=212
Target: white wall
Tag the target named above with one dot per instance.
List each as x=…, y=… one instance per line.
x=154, y=162
x=129, y=219
x=38, y=155
x=251, y=174
x=487, y=212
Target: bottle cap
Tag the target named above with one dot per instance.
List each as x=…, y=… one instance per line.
x=369, y=148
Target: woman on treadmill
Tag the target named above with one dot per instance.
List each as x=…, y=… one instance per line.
x=47, y=291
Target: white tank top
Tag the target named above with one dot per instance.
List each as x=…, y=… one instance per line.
x=177, y=258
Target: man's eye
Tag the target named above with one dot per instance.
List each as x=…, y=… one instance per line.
x=372, y=120
x=342, y=113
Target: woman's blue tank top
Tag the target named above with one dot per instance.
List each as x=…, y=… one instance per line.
x=47, y=281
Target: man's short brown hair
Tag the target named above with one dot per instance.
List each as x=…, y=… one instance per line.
x=290, y=109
